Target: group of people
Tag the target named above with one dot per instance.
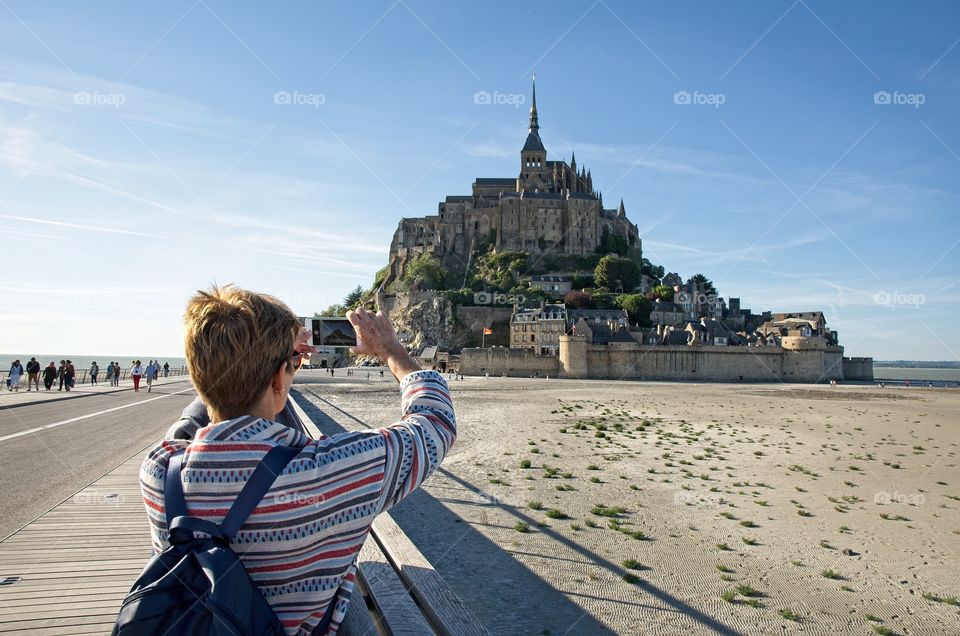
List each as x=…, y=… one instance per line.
x=149, y=373
x=67, y=374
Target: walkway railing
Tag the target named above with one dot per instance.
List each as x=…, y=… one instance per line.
x=83, y=376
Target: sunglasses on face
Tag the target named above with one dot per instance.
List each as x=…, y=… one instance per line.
x=297, y=360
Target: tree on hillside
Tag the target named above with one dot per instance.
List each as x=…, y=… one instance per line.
x=336, y=309
x=578, y=300
x=704, y=282
x=353, y=298
x=663, y=292
x=651, y=270
x=615, y=272
x=424, y=272
x=638, y=308
x=615, y=243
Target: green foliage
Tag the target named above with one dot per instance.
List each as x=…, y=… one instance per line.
x=663, y=292
x=425, y=270
x=460, y=297
x=353, y=298
x=654, y=271
x=615, y=243
x=499, y=269
x=335, y=309
x=379, y=277
x=704, y=282
x=615, y=272
x=637, y=306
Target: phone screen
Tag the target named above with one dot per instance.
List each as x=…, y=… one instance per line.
x=333, y=331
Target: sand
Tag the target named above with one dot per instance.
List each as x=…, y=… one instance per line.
x=636, y=510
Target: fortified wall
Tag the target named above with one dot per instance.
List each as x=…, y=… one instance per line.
x=805, y=360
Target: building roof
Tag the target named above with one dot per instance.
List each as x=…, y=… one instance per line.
x=496, y=181
x=676, y=337
x=428, y=352
x=582, y=195
x=533, y=143
x=458, y=197
x=592, y=315
x=663, y=305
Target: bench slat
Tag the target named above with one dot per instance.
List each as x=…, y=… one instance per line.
x=396, y=607
x=449, y=615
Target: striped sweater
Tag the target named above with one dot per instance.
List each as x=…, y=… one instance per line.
x=301, y=543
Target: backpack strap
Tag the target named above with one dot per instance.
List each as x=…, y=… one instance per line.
x=173, y=502
x=253, y=491
x=256, y=487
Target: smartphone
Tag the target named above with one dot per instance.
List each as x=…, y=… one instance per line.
x=331, y=331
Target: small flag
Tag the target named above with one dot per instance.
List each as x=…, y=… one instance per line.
x=487, y=331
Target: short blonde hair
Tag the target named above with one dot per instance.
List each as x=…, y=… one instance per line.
x=235, y=342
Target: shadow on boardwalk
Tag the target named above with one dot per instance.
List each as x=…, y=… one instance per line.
x=507, y=597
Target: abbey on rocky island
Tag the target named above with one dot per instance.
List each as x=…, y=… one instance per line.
x=550, y=207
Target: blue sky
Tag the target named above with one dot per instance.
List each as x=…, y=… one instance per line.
x=804, y=155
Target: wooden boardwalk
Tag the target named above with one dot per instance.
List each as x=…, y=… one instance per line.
x=77, y=561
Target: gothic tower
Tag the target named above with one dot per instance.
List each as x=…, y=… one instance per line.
x=533, y=157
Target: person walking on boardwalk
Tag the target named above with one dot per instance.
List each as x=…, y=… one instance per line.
x=71, y=374
x=94, y=370
x=116, y=373
x=33, y=374
x=166, y=369
x=136, y=372
x=150, y=370
x=13, y=378
x=156, y=369
x=345, y=480
x=49, y=375
x=110, y=373
x=62, y=374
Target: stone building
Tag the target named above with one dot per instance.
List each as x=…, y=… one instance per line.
x=539, y=330
x=549, y=207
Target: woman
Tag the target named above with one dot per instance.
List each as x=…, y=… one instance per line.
x=333, y=489
x=62, y=374
x=94, y=370
x=49, y=375
x=136, y=372
x=116, y=373
x=110, y=373
x=71, y=374
x=16, y=370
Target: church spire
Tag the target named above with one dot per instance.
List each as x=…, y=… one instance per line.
x=534, y=123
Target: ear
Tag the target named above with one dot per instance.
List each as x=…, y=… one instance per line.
x=277, y=383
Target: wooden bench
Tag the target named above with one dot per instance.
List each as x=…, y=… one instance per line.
x=397, y=584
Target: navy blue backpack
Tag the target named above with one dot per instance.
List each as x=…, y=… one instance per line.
x=199, y=586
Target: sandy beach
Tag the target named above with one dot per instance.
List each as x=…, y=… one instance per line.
x=589, y=507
